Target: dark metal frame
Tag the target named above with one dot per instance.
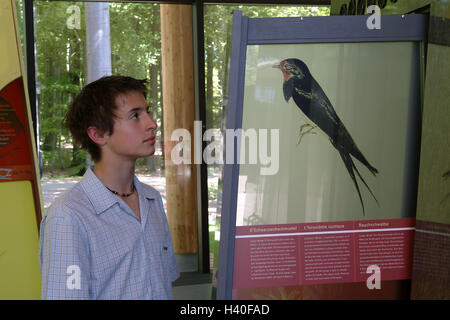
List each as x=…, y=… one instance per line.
x=295, y=30
x=30, y=67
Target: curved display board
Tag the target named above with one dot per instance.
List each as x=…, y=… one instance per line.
x=20, y=210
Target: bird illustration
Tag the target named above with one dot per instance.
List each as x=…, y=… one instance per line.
x=299, y=84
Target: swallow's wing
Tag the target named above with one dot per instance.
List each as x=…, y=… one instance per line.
x=311, y=99
x=321, y=98
x=318, y=108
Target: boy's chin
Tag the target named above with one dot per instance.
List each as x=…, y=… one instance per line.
x=150, y=152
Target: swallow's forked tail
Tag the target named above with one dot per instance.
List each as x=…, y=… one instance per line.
x=351, y=168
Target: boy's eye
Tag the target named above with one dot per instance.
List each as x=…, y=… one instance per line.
x=139, y=114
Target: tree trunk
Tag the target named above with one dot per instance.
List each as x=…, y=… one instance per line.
x=209, y=84
x=76, y=55
x=154, y=93
x=52, y=158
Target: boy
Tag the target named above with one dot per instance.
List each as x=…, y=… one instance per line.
x=108, y=237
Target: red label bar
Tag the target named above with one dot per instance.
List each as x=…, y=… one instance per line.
x=322, y=252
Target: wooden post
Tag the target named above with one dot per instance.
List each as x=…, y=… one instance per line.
x=178, y=104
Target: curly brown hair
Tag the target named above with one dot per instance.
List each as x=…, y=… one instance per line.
x=95, y=106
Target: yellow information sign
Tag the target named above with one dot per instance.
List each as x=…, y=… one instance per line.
x=19, y=186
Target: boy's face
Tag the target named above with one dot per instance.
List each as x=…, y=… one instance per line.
x=133, y=135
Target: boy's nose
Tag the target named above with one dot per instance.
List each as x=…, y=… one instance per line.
x=151, y=124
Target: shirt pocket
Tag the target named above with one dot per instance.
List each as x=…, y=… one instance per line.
x=169, y=264
x=165, y=258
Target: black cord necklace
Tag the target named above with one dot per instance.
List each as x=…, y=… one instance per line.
x=123, y=194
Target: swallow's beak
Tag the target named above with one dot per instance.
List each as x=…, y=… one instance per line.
x=276, y=66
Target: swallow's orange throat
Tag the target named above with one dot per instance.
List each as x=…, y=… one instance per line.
x=286, y=74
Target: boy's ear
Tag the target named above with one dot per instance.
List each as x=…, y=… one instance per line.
x=97, y=135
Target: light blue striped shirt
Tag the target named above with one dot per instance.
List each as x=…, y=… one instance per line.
x=92, y=245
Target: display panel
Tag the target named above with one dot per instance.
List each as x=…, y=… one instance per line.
x=322, y=200
x=339, y=201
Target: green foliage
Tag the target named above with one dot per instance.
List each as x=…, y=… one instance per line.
x=61, y=67
x=60, y=61
x=135, y=38
x=136, y=48
x=79, y=158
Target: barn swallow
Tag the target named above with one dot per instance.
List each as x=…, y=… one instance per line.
x=299, y=84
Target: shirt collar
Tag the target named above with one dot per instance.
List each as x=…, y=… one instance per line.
x=101, y=198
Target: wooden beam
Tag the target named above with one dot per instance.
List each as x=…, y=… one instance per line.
x=178, y=104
